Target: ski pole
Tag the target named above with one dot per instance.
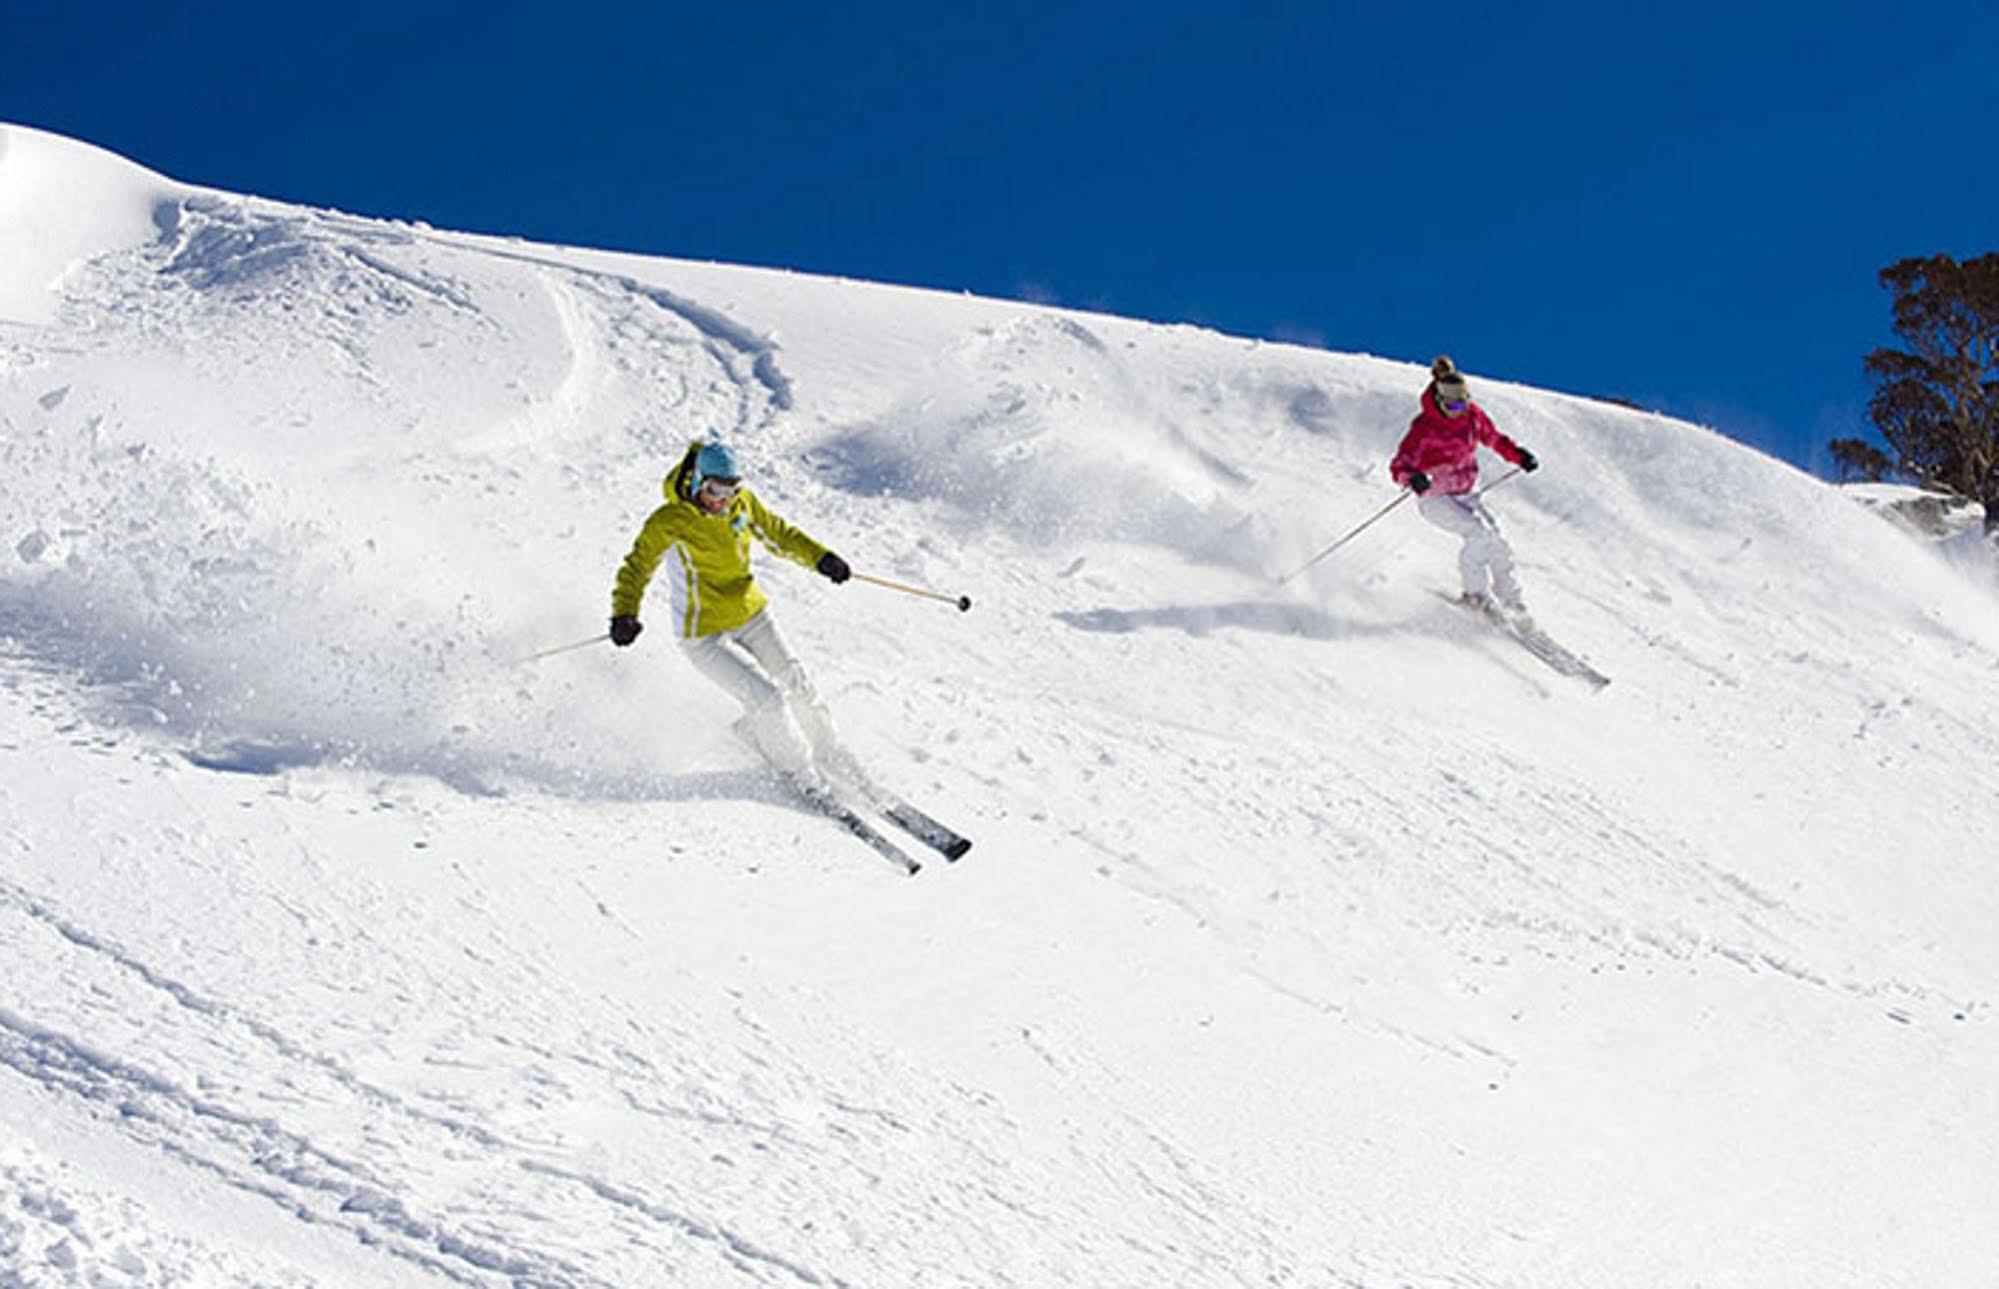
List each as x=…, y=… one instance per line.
x=1400, y=497
x=568, y=648
x=964, y=602
x=1501, y=479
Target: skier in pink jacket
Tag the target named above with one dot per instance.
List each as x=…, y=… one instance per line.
x=1438, y=461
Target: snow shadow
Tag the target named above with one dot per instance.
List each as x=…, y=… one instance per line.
x=342, y=704
x=255, y=758
x=1038, y=428
x=1205, y=619
x=1016, y=463
x=479, y=777
x=1336, y=413
x=1035, y=426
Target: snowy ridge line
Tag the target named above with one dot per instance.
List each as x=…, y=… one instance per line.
x=260, y=1157
x=740, y=1253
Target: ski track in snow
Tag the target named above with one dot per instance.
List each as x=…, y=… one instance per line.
x=254, y=1155
x=353, y=1185
x=260, y=1156
x=730, y=343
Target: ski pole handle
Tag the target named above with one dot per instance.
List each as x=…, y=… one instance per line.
x=568, y=648
x=964, y=602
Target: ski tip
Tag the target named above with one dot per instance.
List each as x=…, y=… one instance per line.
x=956, y=851
x=914, y=868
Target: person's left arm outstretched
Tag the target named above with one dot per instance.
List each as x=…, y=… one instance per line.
x=1489, y=434
x=791, y=542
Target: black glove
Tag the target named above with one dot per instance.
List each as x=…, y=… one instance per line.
x=1419, y=483
x=624, y=629
x=1527, y=461
x=832, y=566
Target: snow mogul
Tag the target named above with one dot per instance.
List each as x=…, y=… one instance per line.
x=722, y=615
x=1438, y=461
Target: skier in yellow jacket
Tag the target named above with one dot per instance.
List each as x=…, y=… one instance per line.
x=722, y=615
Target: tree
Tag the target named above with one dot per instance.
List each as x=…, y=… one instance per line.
x=1859, y=459
x=1936, y=403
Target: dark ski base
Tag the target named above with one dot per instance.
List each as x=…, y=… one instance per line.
x=946, y=842
x=1548, y=650
x=940, y=837
x=844, y=815
x=1536, y=642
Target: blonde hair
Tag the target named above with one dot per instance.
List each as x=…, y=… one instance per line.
x=1445, y=377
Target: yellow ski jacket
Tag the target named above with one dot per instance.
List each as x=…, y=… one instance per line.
x=709, y=573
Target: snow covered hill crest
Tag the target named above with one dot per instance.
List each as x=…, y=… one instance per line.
x=1315, y=934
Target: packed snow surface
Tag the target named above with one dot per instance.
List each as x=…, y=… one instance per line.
x=1314, y=934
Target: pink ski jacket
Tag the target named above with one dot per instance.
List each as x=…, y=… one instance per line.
x=1446, y=447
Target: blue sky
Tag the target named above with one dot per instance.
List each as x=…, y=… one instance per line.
x=1684, y=209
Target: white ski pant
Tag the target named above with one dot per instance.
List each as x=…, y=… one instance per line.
x=783, y=716
x=1485, y=561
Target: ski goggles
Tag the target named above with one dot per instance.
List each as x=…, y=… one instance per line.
x=1454, y=404
x=721, y=489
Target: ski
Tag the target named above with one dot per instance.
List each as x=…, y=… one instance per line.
x=940, y=837
x=946, y=841
x=848, y=818
x=1550, y=651
x=1529, y=635
x=843, y=774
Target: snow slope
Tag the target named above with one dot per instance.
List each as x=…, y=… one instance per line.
x=1314, y=936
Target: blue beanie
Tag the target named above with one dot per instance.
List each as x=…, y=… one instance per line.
x=714, y=461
